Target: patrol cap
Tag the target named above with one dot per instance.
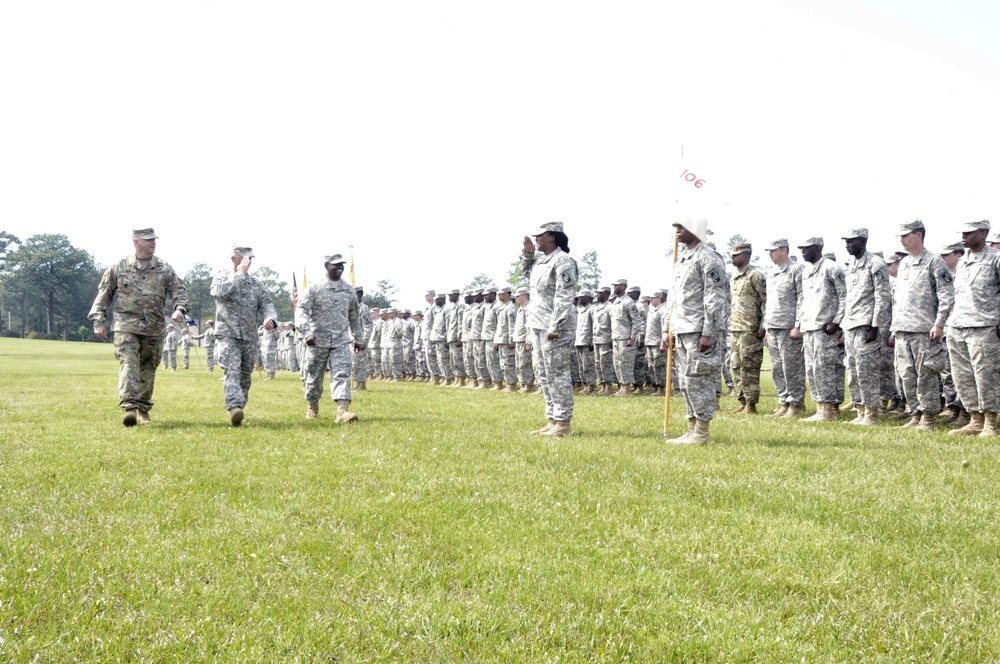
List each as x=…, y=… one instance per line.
x=404, y=311
x=908, y=227
x=604, y=289
x=418, y=312
x=210, y=322
x=240, y=250
x=491, y=289
x=586, y=292
x=645, y=298
x=374, y=309
x=359, y=288
x=479, y=291
x=390, y=310
x=740, y=248
x=143, y=234
x=620, y=282
x=952, y=248
x=856, y=232
x=506, y=289
x=333, y=259
x=634, y=289
x=812, y=241
x=522, y=291
x=431, y=292
x=454, y=291
x=660, y=294
x=469, y=292
x=970, y=226
x=892, y=259
x=780, y=243
x=551, y=227
x=993, y=237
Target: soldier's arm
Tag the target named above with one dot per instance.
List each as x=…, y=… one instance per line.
x=840, y=285
x=883, y=297
x=713, y=279
x=177, y=292
x=945, y=288
x=105, y=293
x=224, y=283
x=562, y=299
x=266, y=308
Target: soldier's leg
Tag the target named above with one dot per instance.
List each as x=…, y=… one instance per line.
x=537, y=338
x=752, y=352
x=726, y=349
x=616, y=359
x=507, y=364
x=930, y=360
x=129, y=349
x=230, y=359
x=639, y=376
x=340, y=372
x=559, y=381
x=869, y=370
x=210, y=357
x=735, y=362
x=444, y=359
x=984, y=349
x=314, y=368
x=627, y=376
x=248, y=351
x=432, y=363
x=457, y=360
x=574, y=369
x=829, y=368
x=811, y=346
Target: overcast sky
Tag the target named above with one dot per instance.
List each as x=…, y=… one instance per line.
x=433, y=135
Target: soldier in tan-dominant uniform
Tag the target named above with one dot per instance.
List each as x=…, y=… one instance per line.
x=143, y=284
x=748, y=291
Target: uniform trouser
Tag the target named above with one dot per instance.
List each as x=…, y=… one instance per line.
x=746, y=354
x=551, y=360
x=457, y=358
x=788, y=366
x=727, y=374
x=585, y=358
x=431, y=358
x=187, y=357
x=375, y=366
x=824, y=367
x=210, y=356
x=316, y=360
x=138, y=356
x=492, y=357
x=392, y=361
x=698, y=374
x=237, y=357
x=270, y=360
x=656, y=361
x=443, y=355
x=640, y=371
x=469, y=357
x=409, y=360
x=624, y=359
x=359, y=365
x=864, y=365
x=420, y=359
x=169, y=358
x=948, y=388
x=604, y=363
x=524, y=364
x=480, y=357
x=974, y=352
x=574, y=368
x=507, y=368
x=919, y=362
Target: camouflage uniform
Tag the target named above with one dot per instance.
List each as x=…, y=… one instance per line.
x=360, y=360
x=392, y=347
x=240, y=301
x=468, y=346
x=625, y=328
x=506, y=313
x=209, y=336
x=749, y=300
x=522, y=356
x=699, y=305
x=329, y=312
x=639, y=373
x=788, y=361
x=490, y=354
x=143, y=287
x=583, y=343
x=824, y=292
x=427, y=336
x=270, y=350
x=604, y=363
x=170, y=348
x=455, y=346
x=924, y=296
x=656, y=359
x=973, y=344
x=553, y=286
x=374, y=340
x=410, y=328
x=439, y=341
x=868, y=304
x=476, y=332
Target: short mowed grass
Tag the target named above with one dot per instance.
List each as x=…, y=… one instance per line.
x=436, y=530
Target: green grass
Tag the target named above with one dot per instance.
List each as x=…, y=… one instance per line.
x=435, y=530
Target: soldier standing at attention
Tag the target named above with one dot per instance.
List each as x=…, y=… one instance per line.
x=656, y=361
x=143, y=285
x=468, y=352
x=209, y=336
x=699, y=297
x=583, y=343
x=746, y=328
x=494, y=377
x=455, y=322
x=867, y=312
x=359, y=363
x=170, y=344
x=784, y=340
x=552, y=321
x=824, y=291
x=923, y=298
x=240, y=300
x=439, y=340
x=604, y=360
x=625, y=330
x=329, y=314
x=974, y=331
x=506, y=315
x=522, y=347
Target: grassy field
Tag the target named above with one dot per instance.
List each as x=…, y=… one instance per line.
x=435, y=530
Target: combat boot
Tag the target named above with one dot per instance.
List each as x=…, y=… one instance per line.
x=743, y=405
x=473, y=384
x=860, y=418
x=658, y=392
x=486, y=384
x=950, y=414
x=509, y=388
x=989, y=425
x=144, y=417
x=532, y=388
x=795, y=410
x=871, y=417
x=962, y=419
x=524, y=388
x=344, y=416
x=236, y=416
x=973, y=428
x=622, y=391
x=538, y=432
x=750, y=409
x=913, y=421
x=129, y=418
x=780, y=411
x=498, y=386
x=362, y=386
x=926, y=422
x=559, y=429
x=818, y=415
x=700, y=435
x=588, y=389
x=270, y=375
x=313, y=411
x=684, y=437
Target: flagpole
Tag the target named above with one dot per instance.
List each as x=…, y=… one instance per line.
x=670, y=348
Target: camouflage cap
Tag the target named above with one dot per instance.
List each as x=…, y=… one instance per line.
x=954, y=247
x=620, y=282
x=971, y=226
x=604, y=289
x=375, y=310
x=551, y=227
x=810, y=242
x=993, y=237
x=586, y=292
x=210, y=322
x=521, y=291
x=404, y=311
x=506, y=289
x=491, y=289
x=892, y=259
x=469, y=292
x=645, y=298
x=359, y=288
x=910, y=226
x=780, y=243
x=143, y=234
x=431, y=292
x=634, y=289
x=454, y=291
x=240, y=250
x=334, y=259
x=740, y=248
x=660, y=294
x=855, y=232
x=390, y=310
x=418, y=312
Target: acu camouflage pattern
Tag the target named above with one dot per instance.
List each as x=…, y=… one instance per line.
x=868, y=304
x=924, y=293
x=784, y=300
x=788, y=366
x=973, y=344
x=329, y=312
x=699, y=293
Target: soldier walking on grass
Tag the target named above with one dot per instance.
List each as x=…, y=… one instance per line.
x=143, y=284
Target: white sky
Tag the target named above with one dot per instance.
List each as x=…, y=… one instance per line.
x=433, y=135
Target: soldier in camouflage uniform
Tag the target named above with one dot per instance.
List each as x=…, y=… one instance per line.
x=954, y=412
x=328, y=314
x=552, y=321
x=430, y=352
x=699, y=303
x=491, y=357
x=656, y=359
x=478, y=312
x=420, y=356
x=824, y=289
x=624, y=331
x=583, y=343
x=784, y=339
x=604, y=363
x=240, y=301
x=641, y=370
x=748, y=291
x=209, y=336
x=374, y=341
x=359, y=363
x=392, y=345
x=269, y=349
x=867, y=312
x=439, y=340
x=409, y=337
x=923, y=298
x=456, y=317
x=974, y=331
x=170, y=348
x=506, y=315
x=143, y=285
x=522, y=346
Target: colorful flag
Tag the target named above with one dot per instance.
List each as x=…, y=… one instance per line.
x=295, y=294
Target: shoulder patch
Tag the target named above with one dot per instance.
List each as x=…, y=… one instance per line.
x=947, y=277
x=714, y=274
x=566, y=277
x=881, y=274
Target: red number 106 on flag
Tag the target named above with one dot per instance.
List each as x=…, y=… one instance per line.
x=693, y=179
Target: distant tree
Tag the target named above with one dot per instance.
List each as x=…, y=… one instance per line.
x=6, y=240
x=739, y=239
x=479, y=281
x=277, y=289
x=590, y=271
x=201, y=304
x=516, y=277
x=383, y=298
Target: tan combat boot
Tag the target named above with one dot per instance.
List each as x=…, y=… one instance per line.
x=363, y=386
x=871, y=417
x=588, y=389
x=144, y=417
x=926, y=422
x=818, y=415
x=532, y=387
x=780, y=411
x=343, y=415
x=743, y=405
x=913, y=421
x=538, y=432
x=498, y=386
x=950, y=414
x=313, y=411
x=684, y=437
x=962, y=419
x=795, y=410
x=700, y=435
x=750, y=409
x=989, y=425
x=559, y=429
x=860, y=418
x=130, y=417
x=973, y=428
x=236, y=416
x=270, y=376
x=622, y=391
